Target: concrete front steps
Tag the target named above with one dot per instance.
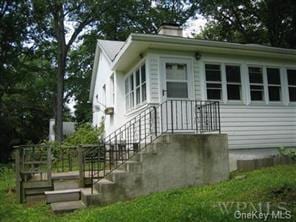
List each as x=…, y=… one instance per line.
x=170, y=162
x=66, y=194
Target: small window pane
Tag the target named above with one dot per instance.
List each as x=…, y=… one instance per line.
x=176, y=72
x=291, y=77
x=255, y=75
x=137, y=77
x=144, y=95
x=127, y=106
x=143, y=73
x=273, y=76
x=274, y=93
x=132, y=99
x=233, y=74
x=292, y=94
x=177, y=90
x=132, y=82
x=213, y=86
x=213, y=73
x=138, y=98
x=257, y=94
x=126, y=86
x=233, y=92
x=214, y=94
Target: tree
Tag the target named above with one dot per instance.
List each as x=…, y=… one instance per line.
x=53, y=21
x=116, y=23
x=267, y=22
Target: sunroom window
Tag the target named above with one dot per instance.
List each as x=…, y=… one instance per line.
x=274, y=84
x=213, y=82
x=233, y=79
x=256, y=84
x=292, y=84
x=135, y=87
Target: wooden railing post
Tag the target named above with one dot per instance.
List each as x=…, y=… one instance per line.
x=81, y=166
x=19, y=192
x=49, y=164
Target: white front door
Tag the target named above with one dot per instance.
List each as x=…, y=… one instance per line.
x=176, y=95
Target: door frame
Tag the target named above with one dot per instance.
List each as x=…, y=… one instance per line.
x=162, y=83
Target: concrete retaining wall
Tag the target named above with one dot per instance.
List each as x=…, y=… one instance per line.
x=172, y=161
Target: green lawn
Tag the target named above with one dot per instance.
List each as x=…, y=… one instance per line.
x=274, y=186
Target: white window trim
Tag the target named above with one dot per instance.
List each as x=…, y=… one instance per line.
x=129, y=109
x=281, y=101
x=294, y=86
x=264, y=79
x=233, y=101
x=177, y=60
x=214, y=82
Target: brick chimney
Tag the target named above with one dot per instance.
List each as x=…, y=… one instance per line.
x=170, y=29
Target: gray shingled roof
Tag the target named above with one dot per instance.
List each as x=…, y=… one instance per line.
x=111, y=48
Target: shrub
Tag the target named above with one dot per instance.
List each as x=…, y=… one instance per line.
x=288, y=151
x=85, y=134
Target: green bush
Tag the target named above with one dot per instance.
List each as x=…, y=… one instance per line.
x=288, y=151
x=85, y=134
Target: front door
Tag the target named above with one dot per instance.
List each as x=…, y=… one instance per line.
x=176, y=95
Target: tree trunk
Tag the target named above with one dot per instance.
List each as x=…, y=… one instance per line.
x=61, y=51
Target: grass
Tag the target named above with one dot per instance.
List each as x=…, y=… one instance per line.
x=275, y=185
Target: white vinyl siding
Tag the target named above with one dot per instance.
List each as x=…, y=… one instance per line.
x=257, y=126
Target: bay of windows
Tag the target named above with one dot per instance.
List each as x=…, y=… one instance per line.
x=135, y=87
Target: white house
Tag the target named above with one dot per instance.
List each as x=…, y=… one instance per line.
x=255, y=84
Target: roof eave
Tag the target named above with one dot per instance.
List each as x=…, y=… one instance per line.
x=255, y=50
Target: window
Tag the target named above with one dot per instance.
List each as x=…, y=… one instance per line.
x=233, y=79
x=213, y=82
x=112, y=92
x=143, y=83
x=292, y=84
x=176, y=80
x=256, y=84
x=135, y=87
x=274, y=84
x=104, y=95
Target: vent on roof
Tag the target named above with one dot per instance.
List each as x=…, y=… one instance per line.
x=170, y=29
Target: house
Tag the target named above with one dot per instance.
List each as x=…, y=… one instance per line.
x=68, y=129
x=254, y=84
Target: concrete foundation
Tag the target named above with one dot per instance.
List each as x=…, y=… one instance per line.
x=172, y=161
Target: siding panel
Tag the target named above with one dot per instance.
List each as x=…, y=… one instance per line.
x=259, y=126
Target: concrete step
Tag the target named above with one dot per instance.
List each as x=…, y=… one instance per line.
x=71, y=175
x=65, y=184
x=67, y=206
x=62, y=195
x=104, y=185
x=90, y=197
x=36, y=191
x=131, y=166
x=115, y=174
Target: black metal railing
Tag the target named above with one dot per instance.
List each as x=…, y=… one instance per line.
x=190, y=116
x=121, y=145
x=171, y=116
